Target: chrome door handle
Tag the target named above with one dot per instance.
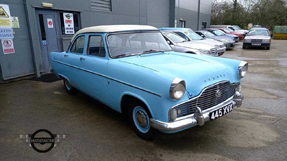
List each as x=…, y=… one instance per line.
x=65, y=55
x=82, y=58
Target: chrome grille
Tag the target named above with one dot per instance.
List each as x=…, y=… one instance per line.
x=256, y=40
x=208, y=98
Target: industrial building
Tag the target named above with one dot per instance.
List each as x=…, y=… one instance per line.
x=45, y=26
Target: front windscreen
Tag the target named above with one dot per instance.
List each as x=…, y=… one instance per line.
x=236, y=27
x=258, y=32
x=194, y=36
x=227, y=30
x=174, y=37
x=209, y=34
x=218, y=32
x=128, y=44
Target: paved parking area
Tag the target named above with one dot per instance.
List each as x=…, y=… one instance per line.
x=256, y=131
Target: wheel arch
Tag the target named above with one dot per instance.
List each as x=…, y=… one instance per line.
x=128, y=97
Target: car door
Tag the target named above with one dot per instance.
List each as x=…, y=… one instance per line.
x=74, y=57
x=94, y=63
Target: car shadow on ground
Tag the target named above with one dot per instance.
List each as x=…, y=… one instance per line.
x=194, y=138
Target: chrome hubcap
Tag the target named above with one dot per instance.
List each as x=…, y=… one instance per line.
x=68, y=85
x=141, y=119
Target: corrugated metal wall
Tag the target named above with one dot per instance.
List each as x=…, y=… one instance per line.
x=19, y=63
x=158, y=13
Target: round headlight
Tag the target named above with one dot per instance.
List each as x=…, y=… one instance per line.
x=247, y=40
x=243, y=67
x=177, y=89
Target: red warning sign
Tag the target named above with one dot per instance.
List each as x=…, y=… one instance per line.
x=50, y=22
x=7, y=45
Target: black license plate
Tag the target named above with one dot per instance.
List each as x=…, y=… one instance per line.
x=221, y=112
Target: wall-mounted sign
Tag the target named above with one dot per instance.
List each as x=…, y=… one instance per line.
x=8, y=46
x=15, y=22
x=5, y=16
x=50, y=23
x=69, y=23
x=6, y=33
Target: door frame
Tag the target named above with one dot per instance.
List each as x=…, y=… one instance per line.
x=56, y=25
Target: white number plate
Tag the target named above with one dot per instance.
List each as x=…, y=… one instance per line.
x=220, y=112
x=256, y=44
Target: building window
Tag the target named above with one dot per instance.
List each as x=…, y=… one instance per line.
x=101, y=5
x=182, y=23
x=203, y=25
x=76, y=17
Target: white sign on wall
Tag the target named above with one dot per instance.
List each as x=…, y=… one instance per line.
x=5, y=17
x=8, y=46
x=50, y=23
x=6, y=33
x=69, y=23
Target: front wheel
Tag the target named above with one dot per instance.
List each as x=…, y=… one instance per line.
x=69, y=88
x=140, y=120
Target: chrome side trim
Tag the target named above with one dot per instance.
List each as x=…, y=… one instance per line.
x=107, y=77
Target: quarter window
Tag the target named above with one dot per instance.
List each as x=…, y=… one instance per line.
x=78, y=46
x=96, y=46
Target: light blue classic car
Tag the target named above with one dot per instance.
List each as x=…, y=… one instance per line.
x=133, y=70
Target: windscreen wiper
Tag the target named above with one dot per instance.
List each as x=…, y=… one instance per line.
x=152, y=51
x=124, y=55
x=120, y=56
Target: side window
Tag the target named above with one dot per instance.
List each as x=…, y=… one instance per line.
x=200, y=34
x=78, y=46
x=96, y=46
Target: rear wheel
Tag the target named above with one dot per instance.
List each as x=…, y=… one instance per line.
x=267, y=48
x=69, y=88
x=140, y=120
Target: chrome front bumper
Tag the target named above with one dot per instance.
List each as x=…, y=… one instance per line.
x=198, y=118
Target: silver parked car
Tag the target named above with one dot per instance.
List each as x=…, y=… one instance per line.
x=218, y=32
x=228, y=42
x=190, y=35
x=179, y=44
x=259, y=37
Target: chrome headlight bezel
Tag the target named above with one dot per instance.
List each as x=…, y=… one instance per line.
x=247, y=40
x=242, y=69
x=177, y=85
x=204, y=52
x=265, y=40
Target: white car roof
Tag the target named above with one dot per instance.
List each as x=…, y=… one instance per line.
x=114, y=28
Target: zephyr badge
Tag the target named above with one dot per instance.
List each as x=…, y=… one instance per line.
x=218, y=93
